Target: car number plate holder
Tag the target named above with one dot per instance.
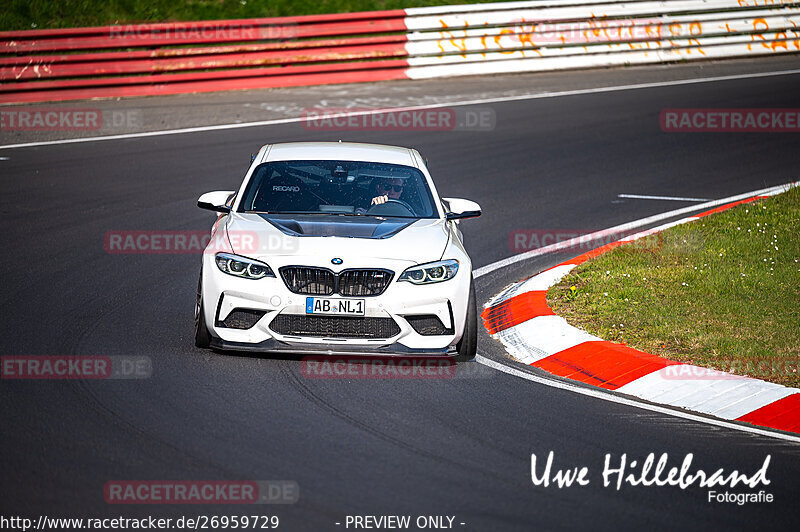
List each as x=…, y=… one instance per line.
x=335, y=306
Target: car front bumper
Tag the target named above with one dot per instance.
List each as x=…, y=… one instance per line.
x=224, y=294
x=273, y=346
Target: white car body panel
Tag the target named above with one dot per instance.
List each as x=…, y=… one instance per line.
x=421, y=241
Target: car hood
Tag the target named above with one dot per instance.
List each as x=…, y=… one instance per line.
x=403, y=239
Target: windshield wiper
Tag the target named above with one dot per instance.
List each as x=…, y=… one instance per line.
x=334, y=214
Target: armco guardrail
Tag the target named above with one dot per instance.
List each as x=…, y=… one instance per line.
x=537, y=35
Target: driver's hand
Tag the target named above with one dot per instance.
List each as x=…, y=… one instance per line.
x=377, y=200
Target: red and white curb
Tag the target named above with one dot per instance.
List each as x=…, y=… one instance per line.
x=520, y=318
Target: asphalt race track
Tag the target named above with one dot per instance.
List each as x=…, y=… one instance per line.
x=458, y=447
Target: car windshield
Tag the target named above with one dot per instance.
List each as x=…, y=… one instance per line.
x=338, y=187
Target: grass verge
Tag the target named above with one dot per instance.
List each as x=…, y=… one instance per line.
x=721, y=292
x=38, y=14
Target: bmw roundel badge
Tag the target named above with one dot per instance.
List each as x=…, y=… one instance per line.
x=337, y=261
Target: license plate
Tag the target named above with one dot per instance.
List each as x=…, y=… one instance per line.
x=335, y=306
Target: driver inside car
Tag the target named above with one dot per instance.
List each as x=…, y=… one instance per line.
x=383, y=190
x=387, y=189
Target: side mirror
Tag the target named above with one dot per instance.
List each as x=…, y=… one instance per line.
x=461, y=208
x=215, y=201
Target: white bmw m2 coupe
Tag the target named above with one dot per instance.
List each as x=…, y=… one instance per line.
x=337, y=248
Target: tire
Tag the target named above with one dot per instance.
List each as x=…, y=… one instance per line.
x=468, y=345
x=202, y=338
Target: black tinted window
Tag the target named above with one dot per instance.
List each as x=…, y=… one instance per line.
x=338, y=187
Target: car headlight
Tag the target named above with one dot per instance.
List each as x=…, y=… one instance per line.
x=242, y=267
x=433, y=272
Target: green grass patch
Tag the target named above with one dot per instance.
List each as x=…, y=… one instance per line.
x=721, y=292
x=33, y=14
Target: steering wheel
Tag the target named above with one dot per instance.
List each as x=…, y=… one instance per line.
x=401, y=203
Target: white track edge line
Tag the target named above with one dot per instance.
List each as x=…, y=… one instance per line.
x=629, y=402
x=666, y=198
x=566, y=244
x=277, y=121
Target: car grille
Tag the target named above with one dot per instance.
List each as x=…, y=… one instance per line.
x=334, y=326
x=364, y=282
x=428, y=325
x=310, y=281
x=241, y=318
x=323, y=282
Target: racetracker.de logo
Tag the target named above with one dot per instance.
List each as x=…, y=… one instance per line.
x=371, y=119
x=538, y=32
x=51, y=119
x=581, y=240
x=68, y=119
x=733, y=369
x=189, y=242
x=201, y=32
x=29, y=367
x=201, y=492
x=730, y=120
x=366, y=367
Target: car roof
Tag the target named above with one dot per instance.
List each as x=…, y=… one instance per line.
x=339, y=151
